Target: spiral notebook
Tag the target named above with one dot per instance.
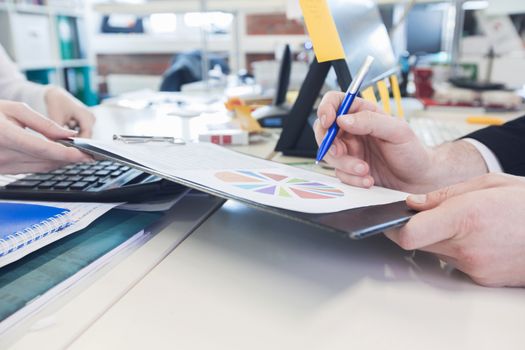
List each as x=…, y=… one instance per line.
x=28, y=226
x=21, y=224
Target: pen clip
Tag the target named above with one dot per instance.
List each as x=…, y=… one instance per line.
x=144, y=139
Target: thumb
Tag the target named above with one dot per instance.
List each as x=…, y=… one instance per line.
x=435, y=198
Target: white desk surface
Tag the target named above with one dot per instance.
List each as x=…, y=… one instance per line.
x=248, y=279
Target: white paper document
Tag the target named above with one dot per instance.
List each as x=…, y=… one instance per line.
x=248, y=178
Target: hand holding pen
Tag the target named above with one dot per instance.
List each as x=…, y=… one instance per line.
x=374, y=148
x=350, y=95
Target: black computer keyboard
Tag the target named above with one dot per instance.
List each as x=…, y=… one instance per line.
x=102, y=181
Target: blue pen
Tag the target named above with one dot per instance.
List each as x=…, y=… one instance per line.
x=350, y=95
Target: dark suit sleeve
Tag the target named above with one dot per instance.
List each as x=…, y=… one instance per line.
x=507, y=142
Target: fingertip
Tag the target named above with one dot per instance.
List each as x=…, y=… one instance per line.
x=86, y=158
x=368, y=182
x=316, y=125
x=89, y=159
x=84, y=134
x=333, y=150
x=56, y=131
x=417, y=201
x=392, y=233
x=71, y=132
x=361, y=168
x=75, y=156
x=345, y=121
x=322, y=119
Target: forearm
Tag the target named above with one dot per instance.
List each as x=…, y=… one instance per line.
x=24, y=91
x=14, y=86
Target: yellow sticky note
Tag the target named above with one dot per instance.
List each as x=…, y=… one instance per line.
x=322, y=30
x=397, y=96
x=369, y=94
x=384, y=95
x=244, y=118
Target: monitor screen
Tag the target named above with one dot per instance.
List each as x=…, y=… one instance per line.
x=363, y=33
x=424, y=29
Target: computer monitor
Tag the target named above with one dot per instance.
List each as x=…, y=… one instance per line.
x=283, y=80
x=424, y=29
x=362, y=33
x=272, y=116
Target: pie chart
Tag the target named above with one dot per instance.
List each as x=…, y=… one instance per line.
x=279, y=185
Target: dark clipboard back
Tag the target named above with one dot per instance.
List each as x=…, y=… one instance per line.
x=355, y=223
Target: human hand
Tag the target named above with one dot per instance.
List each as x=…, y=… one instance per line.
x=478, y=226
x=375, y=148
x=66, y=110
x=21, y=151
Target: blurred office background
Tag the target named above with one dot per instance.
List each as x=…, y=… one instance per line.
x=97, y=49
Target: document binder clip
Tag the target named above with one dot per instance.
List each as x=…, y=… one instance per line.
x=144, y=139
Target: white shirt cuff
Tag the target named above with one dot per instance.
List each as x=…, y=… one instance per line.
x=489, y=157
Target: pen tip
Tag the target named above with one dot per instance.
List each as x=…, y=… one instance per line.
x=316, y=162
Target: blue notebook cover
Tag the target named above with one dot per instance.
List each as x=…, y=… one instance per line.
x=21, y=218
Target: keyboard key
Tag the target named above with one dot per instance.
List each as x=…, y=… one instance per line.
x=106, y=162
x=60, y=178
x=74, y=178
x=39, y=177
x=47, y=185
x=58, y=171
x=102, y=173
x=79, y=185
x=63, y=185
x=23, y=184
x=116, y=174
x=87, y=172
x=124, y=168
x=102, y=182
x=97, y=167
x=111, y=167
x=72, y=172
x=90, y=179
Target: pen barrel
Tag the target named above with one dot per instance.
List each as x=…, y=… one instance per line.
x=327, y=141
x=344, y=108
x=332, y=132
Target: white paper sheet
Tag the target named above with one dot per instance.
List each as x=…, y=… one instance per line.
x=250, y=178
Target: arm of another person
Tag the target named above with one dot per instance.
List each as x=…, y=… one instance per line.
x=478, y=226
x=55, y=102
x=474, y=222
x=22, y=151
x=375, y=148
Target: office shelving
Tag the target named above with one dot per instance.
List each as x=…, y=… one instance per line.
x=238, y=44
x=48, y=41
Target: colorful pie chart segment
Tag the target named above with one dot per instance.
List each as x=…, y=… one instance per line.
x=278, y=185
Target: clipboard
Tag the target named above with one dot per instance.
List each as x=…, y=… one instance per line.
x=354, y=223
